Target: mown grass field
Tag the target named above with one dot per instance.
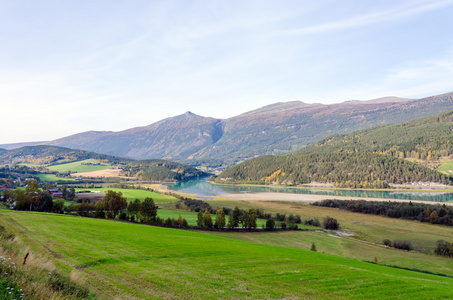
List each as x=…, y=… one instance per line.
x=129, y=261
x=371, y=228
x=78, y=167
x=348, y=247
x=132, y=194
x=52, y=177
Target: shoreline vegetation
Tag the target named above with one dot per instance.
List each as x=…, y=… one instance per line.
x=309, y=198
x=437, y=188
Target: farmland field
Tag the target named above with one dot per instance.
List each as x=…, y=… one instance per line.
x=372, y=228
x=78, y=167
x=350, y=247
x=132, y=194
x=52, y=177
x=123, y=260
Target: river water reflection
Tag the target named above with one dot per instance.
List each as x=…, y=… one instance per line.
x=205, y=190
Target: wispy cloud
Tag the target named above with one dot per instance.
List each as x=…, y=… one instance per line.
x=399, y=13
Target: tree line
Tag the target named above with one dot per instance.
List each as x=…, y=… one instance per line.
x=431, y=213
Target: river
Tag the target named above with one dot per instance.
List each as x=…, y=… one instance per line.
x=204, y=190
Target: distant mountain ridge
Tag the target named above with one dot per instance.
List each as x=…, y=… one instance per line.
x=273, y=129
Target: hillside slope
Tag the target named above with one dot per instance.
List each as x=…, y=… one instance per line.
x=425, y=138
x=129, y=261
x=273, y=129
x=172, y=138
x=354, y=170
x=44, y=154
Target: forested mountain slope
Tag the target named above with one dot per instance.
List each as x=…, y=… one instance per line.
x=161, y=170
x=356, y=170
x=44, y=154
x=426, y=138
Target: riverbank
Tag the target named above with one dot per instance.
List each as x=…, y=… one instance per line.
x=309, y=198
x=412, y=187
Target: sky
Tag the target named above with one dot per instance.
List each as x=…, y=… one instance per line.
x=73, y=66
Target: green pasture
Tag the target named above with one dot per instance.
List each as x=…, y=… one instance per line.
x=191, y=217
x=78, y=167
x=53, y=177
x=446, y=166
x=350, y=247
x=371, y=228
x=132, y=194
x=118, y=260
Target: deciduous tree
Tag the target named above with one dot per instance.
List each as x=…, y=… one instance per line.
x=219, y=219
x=148, y=211
x=207, y=220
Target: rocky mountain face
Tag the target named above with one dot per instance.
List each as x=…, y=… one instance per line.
x=273, y=129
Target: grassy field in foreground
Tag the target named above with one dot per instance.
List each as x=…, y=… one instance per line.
x=348, y=247
x=132, y=194
x=78, y=167
x=120, y=260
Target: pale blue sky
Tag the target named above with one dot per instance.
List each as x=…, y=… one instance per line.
x=73, y=66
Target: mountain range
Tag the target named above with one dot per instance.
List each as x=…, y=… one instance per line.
x=273, y=129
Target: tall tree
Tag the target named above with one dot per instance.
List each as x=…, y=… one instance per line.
x=251, y=219
x=200, y=219
x=71, y=194
x=220, y=219
x=234, y=218
x=32, y=194
x=207, y=220
x=133, y=209
x=114, y=202
x=148, y=210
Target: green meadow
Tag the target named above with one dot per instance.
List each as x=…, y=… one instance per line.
x=118, y=260
x=78, y=167
x=446, y=166
x=350, y=247
x=53, y=177
x=132, y=194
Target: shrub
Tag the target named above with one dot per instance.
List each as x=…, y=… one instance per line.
x=387, y=242
x=283, y=225
x=403, y=245
x=443, y=248
x=123, y=216
x=313, y=222
x=313, y=247
x=330, y=223
x=270, y=224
